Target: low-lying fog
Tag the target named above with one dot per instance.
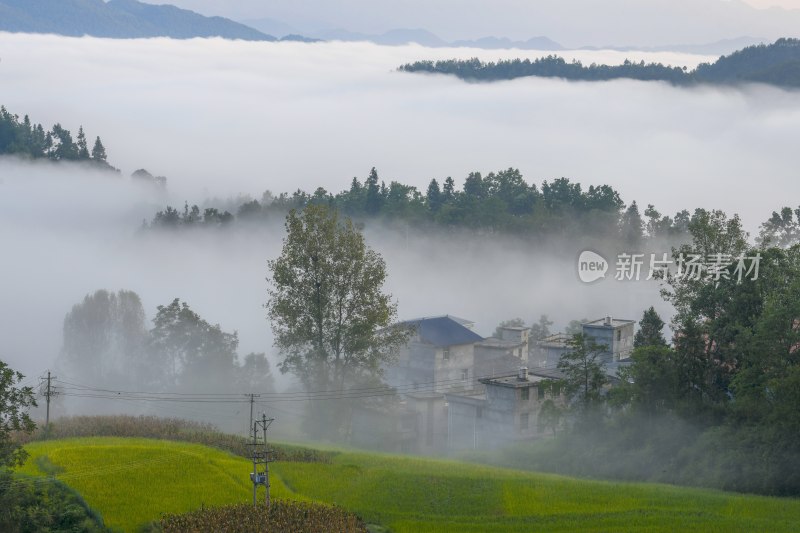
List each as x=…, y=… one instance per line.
x=221, y=118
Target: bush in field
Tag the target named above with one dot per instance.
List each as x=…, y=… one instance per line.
x=46, y=505
x=281, y=516
x=151, y=427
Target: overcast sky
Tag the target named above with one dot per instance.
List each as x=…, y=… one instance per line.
x=571, y=22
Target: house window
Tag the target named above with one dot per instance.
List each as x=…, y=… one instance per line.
x=465, y=374
x=619, y=334
x=526, y=394
x=540, y=392
x=446, y=354
x=523, y=421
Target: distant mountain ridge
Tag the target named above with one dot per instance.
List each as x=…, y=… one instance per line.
x=401, y=36
x=117, y=19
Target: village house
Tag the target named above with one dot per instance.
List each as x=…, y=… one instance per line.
x=459, y=390
x=439, y=356
x=615, y=334
x=506, y=411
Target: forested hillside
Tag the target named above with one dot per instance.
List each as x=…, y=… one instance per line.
x=775, y=64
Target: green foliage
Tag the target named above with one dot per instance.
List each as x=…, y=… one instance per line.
x=719, y=408
x=45, y=505
x=550, y=66
x=329, y=314
x=185, y=347
x=14, y=404
x=25, y=139
x=655, y=382
x=498, y=202
x=282, y=516
x=650, y=330
x=583, y=369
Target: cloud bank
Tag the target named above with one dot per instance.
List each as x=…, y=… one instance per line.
x=220, y=118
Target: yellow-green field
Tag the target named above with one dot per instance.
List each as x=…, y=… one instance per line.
x=133, y=481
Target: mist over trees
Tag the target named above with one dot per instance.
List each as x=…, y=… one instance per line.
x=776, y=64
x=717, y=407
x=498, y=202
x=107, y=342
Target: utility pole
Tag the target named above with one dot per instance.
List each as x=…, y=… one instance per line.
x=48, y=393
x=262, y=455
x=252, y=401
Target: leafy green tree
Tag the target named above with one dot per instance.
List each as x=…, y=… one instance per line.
x=584, y=370
x=652, y=382
x=650, y=330
x=14, y=404
x=329, y=314
x=712, y=310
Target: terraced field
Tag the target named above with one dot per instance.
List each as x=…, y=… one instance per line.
x=134, y=481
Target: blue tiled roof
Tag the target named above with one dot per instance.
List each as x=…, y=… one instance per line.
x=443, y=331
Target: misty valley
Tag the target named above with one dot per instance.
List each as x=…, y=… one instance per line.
x=277, y=283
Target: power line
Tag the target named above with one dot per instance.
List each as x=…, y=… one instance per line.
x=236, y=398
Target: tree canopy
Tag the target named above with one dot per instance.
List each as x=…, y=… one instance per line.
x=14, y=404
x=331, y=319
x=22, y=138
x=775, y=64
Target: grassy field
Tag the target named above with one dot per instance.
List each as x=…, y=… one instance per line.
x=134, y=481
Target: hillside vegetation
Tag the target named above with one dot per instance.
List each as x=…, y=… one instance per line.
x=775, y=64
x=131, y=482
